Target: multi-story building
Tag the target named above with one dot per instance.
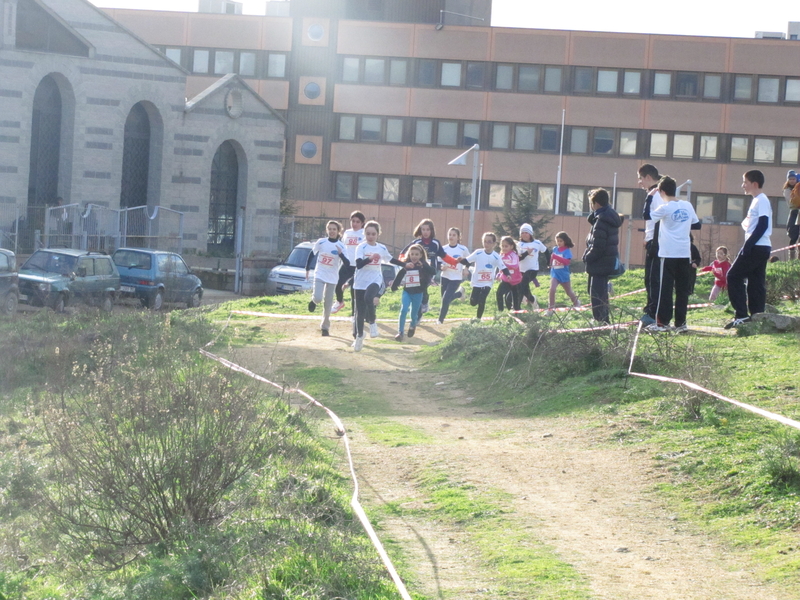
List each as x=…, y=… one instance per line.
x=380, y=95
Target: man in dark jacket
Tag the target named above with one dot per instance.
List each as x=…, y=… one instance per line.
x=602, y=251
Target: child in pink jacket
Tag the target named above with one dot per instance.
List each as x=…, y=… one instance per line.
x=508, y=292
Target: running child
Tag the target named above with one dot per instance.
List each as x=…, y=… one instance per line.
x=719, y=268
x=452, y=276
x=351, y=238
x=529, y=249
x=415, y=278
x=331, y=255
x=368, y=281
x=486, y=261
x=560, y=259
x=508, y=290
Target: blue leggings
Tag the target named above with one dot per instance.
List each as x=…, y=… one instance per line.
x=413, y=301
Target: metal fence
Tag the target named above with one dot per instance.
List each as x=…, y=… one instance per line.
x=163, y=230
x=10, y=215
x=294, y=230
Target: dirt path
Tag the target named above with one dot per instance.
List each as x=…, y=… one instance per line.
x=588, y=500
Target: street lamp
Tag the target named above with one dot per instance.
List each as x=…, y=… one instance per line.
x=461, y=159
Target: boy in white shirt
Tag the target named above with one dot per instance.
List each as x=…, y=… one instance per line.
x=648, y=178
x=747, y=277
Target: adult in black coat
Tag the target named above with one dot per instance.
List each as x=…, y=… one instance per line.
x=602, y=251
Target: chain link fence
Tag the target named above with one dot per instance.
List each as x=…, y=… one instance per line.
x=10, y=215
x=163, y=230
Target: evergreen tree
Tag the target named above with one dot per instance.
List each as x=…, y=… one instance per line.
x=523, y=210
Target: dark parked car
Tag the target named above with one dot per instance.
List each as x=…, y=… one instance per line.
x=9, y=283
x=156, y=277
x=57, y=277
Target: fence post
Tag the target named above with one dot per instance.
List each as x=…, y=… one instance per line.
x=237, y=283
x=47, y=227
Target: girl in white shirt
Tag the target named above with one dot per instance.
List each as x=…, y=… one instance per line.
x=485, y=263
x=351, y=239
x=529, y=249
x=331, y=255
x=452, y=276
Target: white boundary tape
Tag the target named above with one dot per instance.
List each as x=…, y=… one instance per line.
x=342, y=432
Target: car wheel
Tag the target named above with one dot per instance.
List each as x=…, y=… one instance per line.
x=107, y=304
x=60, y=304
x=157, y=301
x=195, y=300
x=10, y=302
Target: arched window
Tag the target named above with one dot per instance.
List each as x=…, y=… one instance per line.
x=135, y=158
x=222, y=203
x=45, y=144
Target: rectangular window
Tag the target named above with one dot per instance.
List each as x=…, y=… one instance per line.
x=603, y=141
x=247, y=64
x=529, y=78
x=200, y=61
x=370, y=129
x=712, y=86
x=223, y=62
x=579, y=140
x=632, y=83
x=276, y=65
x=367, y=187
x=475, y=75
x=394, y=131
x=708, y=146
x=584, y=79
x=497, y=195
x=447, y=133
x=344, y=186
x=739, y=148
x=789, y=151
x=764, y=150
x=547, y=194
x=575, y=199
x=424, y=132
x=347, y=128
x=683, y=145
x=398, y=72
x=624, y=204
x=174, y=54
x=552, y=79
x=391, y=189
x=662, y=84
x=687, y=84
x=465, y=193
x=550, y=138
x=426, y=72
x=704, y=208
x=768, y=89
x=504, y=77
x=627, y=143
x=451, y=74
x=419, y=191
x=743, y=87
x=735, y=209
x=374, y=70
x=444, y=191
x=472, y=134
x=524, y=137
x=607, y=81
x=350, y=67
x=792, y=90
x=500, y=136
x=658, y=144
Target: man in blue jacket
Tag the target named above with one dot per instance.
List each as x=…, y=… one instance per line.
x=602, y=251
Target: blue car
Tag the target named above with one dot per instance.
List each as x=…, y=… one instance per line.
x=156, y=277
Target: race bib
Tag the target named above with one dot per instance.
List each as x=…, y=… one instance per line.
x=412, y=279
x=326, y=260
x=485, y=276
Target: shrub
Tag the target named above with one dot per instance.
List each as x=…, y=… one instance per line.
x=783, y=281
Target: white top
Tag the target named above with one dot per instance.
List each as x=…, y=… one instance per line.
x=458, y=252
x=351, y=241
x=328, y=259
x=677, y=217
x=485, y=264
x=371, y=273
x=759, y=207
x=650, y=226
x=530, y=262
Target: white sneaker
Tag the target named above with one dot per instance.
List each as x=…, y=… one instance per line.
x=535, y=304
x=373, y=330
x=440, y=322
x=423, y=309
x=459, y=293
x=682, y=328
x=337, y=306
x=549, y=312
x=358, y=344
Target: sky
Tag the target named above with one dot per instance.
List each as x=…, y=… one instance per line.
x=677, y=17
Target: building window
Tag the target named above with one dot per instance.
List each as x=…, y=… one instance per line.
x=768, y=89
x=550, y=138
x=367, y=187
x=789, y=151
x=624, y=203
x=524, y=137
x=529, y=78
x=312, y=90
x=223, y=199
x=447, y=133
x=200, y=61
x=308, y=149
x=426, y=72
x=419, y=191
x=607, y=81
x=584, y=80
x=451, y=74
x=500, y=136
x=575, y=199
x=174, y=54
x=465, y=193
x=247, y=64
x=627, y=143
x=764, y=150
x=658, y=144
x=391, y=189
x=632, y=82
x=223, y=62
x=444, y=191
x=276, y=65
x=579, y=140
x=424, y=132
x=739, y=148
x=712, y=86
x=472, y=134
x=743, y=87
x=708, y=146
x=347, y=128
x=316, y=32
x=504, y=77
x=687, y=84
x=370, y=129
x=662, y=84
x=683, y=146
x=603, y=141
x=704, y=208
x=792, y=90
x=546, y=197
x=552, y=79
x=497, y=195
x=374, y=70
x=350, y=68
x=46, y=123
x=475, y=75
x=394, y=131
x=398, y=70
x=135, y=158
x=735, y=209
x=344, y=186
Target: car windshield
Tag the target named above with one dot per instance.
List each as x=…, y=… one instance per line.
x=298, y=258
x=131, y=259
x=62, y=264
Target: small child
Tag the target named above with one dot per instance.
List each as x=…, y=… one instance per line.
x=559, y=271
x=452, y=276
x=529, y=249
x=720, y=270
x=486, y=261
x=415, y=278
x=331, y=255
x=351, y=239
x=509, y=284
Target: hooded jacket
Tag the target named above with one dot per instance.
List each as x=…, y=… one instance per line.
x=602, y=243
